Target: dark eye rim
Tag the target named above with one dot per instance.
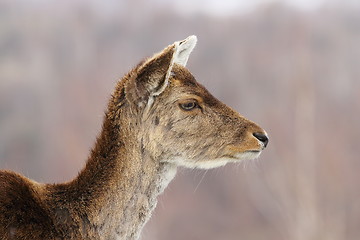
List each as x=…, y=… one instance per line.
x=189, y=105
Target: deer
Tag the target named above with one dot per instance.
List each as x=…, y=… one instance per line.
x=158, y=118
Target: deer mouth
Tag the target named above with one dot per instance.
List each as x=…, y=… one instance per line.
x=236, y=153
x=253, y=151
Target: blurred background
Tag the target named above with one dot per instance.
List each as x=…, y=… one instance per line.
x=291, y=66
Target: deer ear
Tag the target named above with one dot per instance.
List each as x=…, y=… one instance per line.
x=153, y=75
x=183, y=50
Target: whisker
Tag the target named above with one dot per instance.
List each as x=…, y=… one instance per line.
x=202, y=178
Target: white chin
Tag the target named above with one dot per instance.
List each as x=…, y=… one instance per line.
x=201, y=164
x=250, y=155
x=219, y=162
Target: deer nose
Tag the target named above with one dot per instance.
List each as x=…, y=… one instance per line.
x=262, y=138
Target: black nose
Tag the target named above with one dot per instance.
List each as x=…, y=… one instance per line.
x=262, y=138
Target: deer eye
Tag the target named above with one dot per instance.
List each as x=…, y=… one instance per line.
x=189, y=105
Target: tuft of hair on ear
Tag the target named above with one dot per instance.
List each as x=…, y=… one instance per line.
x=183, y=50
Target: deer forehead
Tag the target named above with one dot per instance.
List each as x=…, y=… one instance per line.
x=185, y=84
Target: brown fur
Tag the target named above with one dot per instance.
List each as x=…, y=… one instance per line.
x=134, y=158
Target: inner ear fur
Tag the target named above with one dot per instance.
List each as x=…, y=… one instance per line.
x=153, y=75
x=149, y=78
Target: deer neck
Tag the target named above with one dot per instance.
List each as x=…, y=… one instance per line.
x=119, y=185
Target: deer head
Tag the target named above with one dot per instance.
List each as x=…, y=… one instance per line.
x=181, y=122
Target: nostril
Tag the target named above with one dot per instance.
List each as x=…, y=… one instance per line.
x=262, y=138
